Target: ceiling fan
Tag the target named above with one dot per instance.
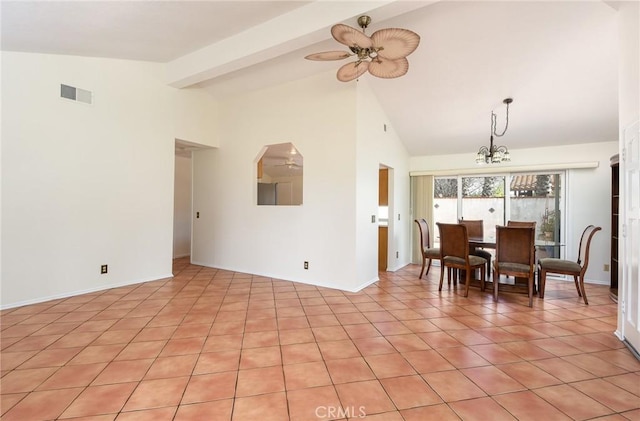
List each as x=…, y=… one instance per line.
x=384, y=54
x=290, y=164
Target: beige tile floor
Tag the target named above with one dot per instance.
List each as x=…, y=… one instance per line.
x=217, y=345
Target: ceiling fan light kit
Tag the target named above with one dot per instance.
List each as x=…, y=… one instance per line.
x=384, y=54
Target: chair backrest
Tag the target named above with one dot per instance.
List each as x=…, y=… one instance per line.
x=585, y=242
x=526, y=224
x=515, y=245
x=475, y=227
x=425, y=238
x=454, y=240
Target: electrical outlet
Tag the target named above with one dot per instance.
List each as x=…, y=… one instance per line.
x=373, y=219
x=103, y=269
x=397, y=254
x=606, y=268
x=197, y=215
x=306, y=265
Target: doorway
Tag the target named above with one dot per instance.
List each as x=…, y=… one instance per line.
x=182, y=202
x=183, y=197
x=383, y=218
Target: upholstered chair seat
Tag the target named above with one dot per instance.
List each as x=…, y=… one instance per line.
x=432, y=253
x=473, y=260
x=559, y=265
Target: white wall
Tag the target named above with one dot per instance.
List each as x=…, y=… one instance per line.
x=84, y=185
x=629, y=63
x=588, y=192
x=182, y=208
x=194, y=114
x=376, y=146
x=318, y=116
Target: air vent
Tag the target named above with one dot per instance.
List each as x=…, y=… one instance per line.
x=76, y=94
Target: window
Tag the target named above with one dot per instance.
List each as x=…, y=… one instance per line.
x=483, y=198
x=538, y=197
x=531, y=197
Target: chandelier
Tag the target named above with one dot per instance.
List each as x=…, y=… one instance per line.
x=383, y=54
x=495, y=154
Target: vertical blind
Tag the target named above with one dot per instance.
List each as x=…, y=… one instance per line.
x=422, y=207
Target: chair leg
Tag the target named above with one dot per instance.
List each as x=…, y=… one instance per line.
x=584, y=293
x=575, y=281
x=482, y=278
x=422, y=270
x=467, y=282
x=442, y=268
x=542, y=279
x=495, y=285
x=531, y=291
x=429, y=266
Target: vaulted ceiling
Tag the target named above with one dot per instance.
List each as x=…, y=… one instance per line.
x=557, y=59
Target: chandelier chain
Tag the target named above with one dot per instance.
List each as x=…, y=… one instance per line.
x=493, y=123
x=495, y=154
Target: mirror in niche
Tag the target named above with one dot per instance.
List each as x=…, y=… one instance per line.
x=280, y=175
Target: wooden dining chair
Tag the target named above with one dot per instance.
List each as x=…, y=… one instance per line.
x=526, y=224
x=454, y=254
x=475, y=229
x=428, y=253
x=576, y=269
x=531, y=224
x=515, y=256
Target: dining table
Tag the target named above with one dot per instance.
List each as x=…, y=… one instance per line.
x=490, y=243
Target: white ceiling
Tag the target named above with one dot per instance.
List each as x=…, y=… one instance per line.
x=558, y=60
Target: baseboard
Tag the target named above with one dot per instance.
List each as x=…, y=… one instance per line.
x=397, y=268
x=80, y=292
x=364, y=285
x=632, y=349
x=268, y=275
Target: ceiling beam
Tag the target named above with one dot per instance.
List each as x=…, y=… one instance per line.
x=301, y=27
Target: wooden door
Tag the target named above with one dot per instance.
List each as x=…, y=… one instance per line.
x=383, y=187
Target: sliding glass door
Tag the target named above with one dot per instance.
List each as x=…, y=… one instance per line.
x=483, y=198
x=538, y=197
x=529, y=197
